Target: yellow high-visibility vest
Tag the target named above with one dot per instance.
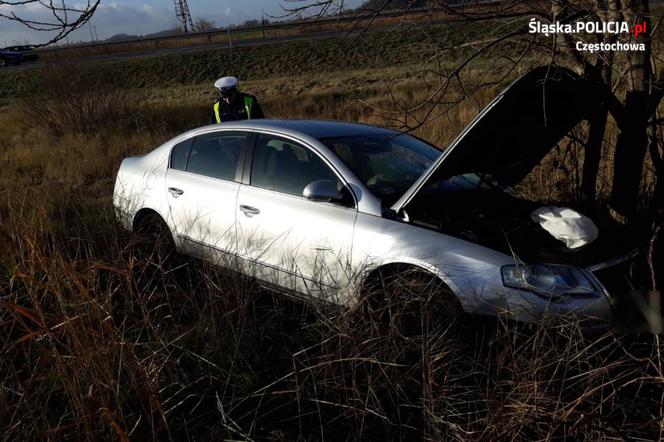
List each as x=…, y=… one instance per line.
x=248, y=105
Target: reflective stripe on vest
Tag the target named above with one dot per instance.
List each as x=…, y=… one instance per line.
x=216, y=112
x=248, y=105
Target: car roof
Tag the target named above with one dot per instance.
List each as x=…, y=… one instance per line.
x=317, y=128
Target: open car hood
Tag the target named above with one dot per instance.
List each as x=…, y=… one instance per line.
x=515, y=131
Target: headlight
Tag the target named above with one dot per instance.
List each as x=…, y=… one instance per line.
x=548, y=280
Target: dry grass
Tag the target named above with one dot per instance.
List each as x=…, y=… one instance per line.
x=100, y=341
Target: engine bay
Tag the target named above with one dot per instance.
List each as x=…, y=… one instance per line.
x=477, y=209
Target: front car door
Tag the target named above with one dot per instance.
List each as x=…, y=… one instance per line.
x=284, y=238
x=203, y=183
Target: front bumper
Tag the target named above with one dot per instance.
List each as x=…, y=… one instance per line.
x=625, y=281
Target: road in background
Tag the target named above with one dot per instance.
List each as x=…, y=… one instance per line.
x=342, y=33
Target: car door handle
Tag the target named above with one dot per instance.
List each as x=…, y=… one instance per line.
x=175, y=191
x=249, y=211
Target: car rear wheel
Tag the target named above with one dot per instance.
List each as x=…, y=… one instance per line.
x=154, y=240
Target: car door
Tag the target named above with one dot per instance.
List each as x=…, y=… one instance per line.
x=202, y=184
x=285, y=238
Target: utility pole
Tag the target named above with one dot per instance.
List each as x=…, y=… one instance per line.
x=263, y=22
x=183, y=16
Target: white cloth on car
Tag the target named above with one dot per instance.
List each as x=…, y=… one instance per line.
x=566, y=225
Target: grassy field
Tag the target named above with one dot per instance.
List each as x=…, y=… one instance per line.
x=98, y=342
x=251, y=63
x=289, y=28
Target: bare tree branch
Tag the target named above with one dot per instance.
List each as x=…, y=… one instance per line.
x=62, y=17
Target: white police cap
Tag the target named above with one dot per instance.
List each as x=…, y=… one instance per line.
x=225, y=83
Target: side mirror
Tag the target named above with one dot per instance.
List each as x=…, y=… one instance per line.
x=323, y=191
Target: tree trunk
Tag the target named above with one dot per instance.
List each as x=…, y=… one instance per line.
x=630, y=155
x=603, y=70
x=633, y=139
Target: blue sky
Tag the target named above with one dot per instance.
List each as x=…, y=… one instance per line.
x=146, y=16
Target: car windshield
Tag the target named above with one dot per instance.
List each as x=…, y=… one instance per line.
x=387, y=164
x=468, y=181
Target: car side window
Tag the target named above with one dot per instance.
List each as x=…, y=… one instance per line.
x=180, y=154
x=281, y=165
x=216, y=154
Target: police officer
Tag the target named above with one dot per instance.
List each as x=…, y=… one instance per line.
x=232, y=104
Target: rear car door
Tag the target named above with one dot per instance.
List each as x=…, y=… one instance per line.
x=202, y=184
x=285, y=238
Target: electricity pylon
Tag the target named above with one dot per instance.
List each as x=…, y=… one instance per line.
x=183, y=16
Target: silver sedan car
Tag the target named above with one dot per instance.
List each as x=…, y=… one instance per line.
x=315, y=208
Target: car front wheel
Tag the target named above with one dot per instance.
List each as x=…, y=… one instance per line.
x=410, y=302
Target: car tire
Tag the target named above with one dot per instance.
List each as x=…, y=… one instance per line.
x=3, y=63
x=410, y=302
x=154, y=241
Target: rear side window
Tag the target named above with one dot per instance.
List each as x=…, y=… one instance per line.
x=180, y=154
x=217, y=154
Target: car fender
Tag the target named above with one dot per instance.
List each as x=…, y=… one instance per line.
x=471, y=271
x=140, y=185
